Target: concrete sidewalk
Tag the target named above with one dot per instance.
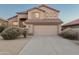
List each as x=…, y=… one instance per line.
x=50, y=45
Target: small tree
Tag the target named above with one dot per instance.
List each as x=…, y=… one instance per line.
x=24, y=32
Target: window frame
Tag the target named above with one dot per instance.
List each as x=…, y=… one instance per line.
x=34, y=15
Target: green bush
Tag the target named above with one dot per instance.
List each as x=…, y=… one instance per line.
x=2, y=27
x=11, y=33
x=69, y=33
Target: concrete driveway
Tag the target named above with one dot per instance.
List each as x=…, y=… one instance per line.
x=50, y=45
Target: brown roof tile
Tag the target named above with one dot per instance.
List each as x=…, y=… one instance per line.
x=35, y=8
x=12, y=17
x=48, y=7
x=39, y=9
x=75, y=22
x=44, y=21
x=29, y=10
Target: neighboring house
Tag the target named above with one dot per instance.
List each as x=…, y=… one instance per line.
x=3, y=22
x=41, y=20
x=73, y=24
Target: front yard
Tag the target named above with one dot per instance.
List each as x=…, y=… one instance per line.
x=12, y=47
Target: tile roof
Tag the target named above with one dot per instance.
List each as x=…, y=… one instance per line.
x=39, y=9
x=75, y=22
x=45, y=5
x=12, y=17
x=44, y=21
x=35, y=8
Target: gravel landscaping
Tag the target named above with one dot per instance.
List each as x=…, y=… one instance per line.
x=12, y=47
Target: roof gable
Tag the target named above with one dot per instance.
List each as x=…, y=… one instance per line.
x=38, y=7
x=35, y=8
x=43, y=5
x=25, y=12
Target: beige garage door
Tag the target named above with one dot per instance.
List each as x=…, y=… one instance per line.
x=45, y=30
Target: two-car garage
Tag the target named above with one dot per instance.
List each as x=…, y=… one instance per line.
x=45, y=29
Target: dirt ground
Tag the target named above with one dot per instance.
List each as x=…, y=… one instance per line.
x=12, y=47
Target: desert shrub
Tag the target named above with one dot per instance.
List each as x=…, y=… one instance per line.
x=2, y=27
x=11, y=33
x=69, y=33
x=76, y=30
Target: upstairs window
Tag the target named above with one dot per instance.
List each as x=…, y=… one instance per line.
x=15, y=23
x=36, y=15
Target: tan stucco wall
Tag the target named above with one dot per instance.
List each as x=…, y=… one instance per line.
x=30, y=28
x=30, y=14
x=10, y=22
x=50, y=13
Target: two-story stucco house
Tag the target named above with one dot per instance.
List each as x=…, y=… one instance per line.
x=41, y=20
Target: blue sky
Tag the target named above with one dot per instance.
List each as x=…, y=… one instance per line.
x=68, y=12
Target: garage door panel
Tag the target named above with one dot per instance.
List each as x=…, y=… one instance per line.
x=45, y=30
